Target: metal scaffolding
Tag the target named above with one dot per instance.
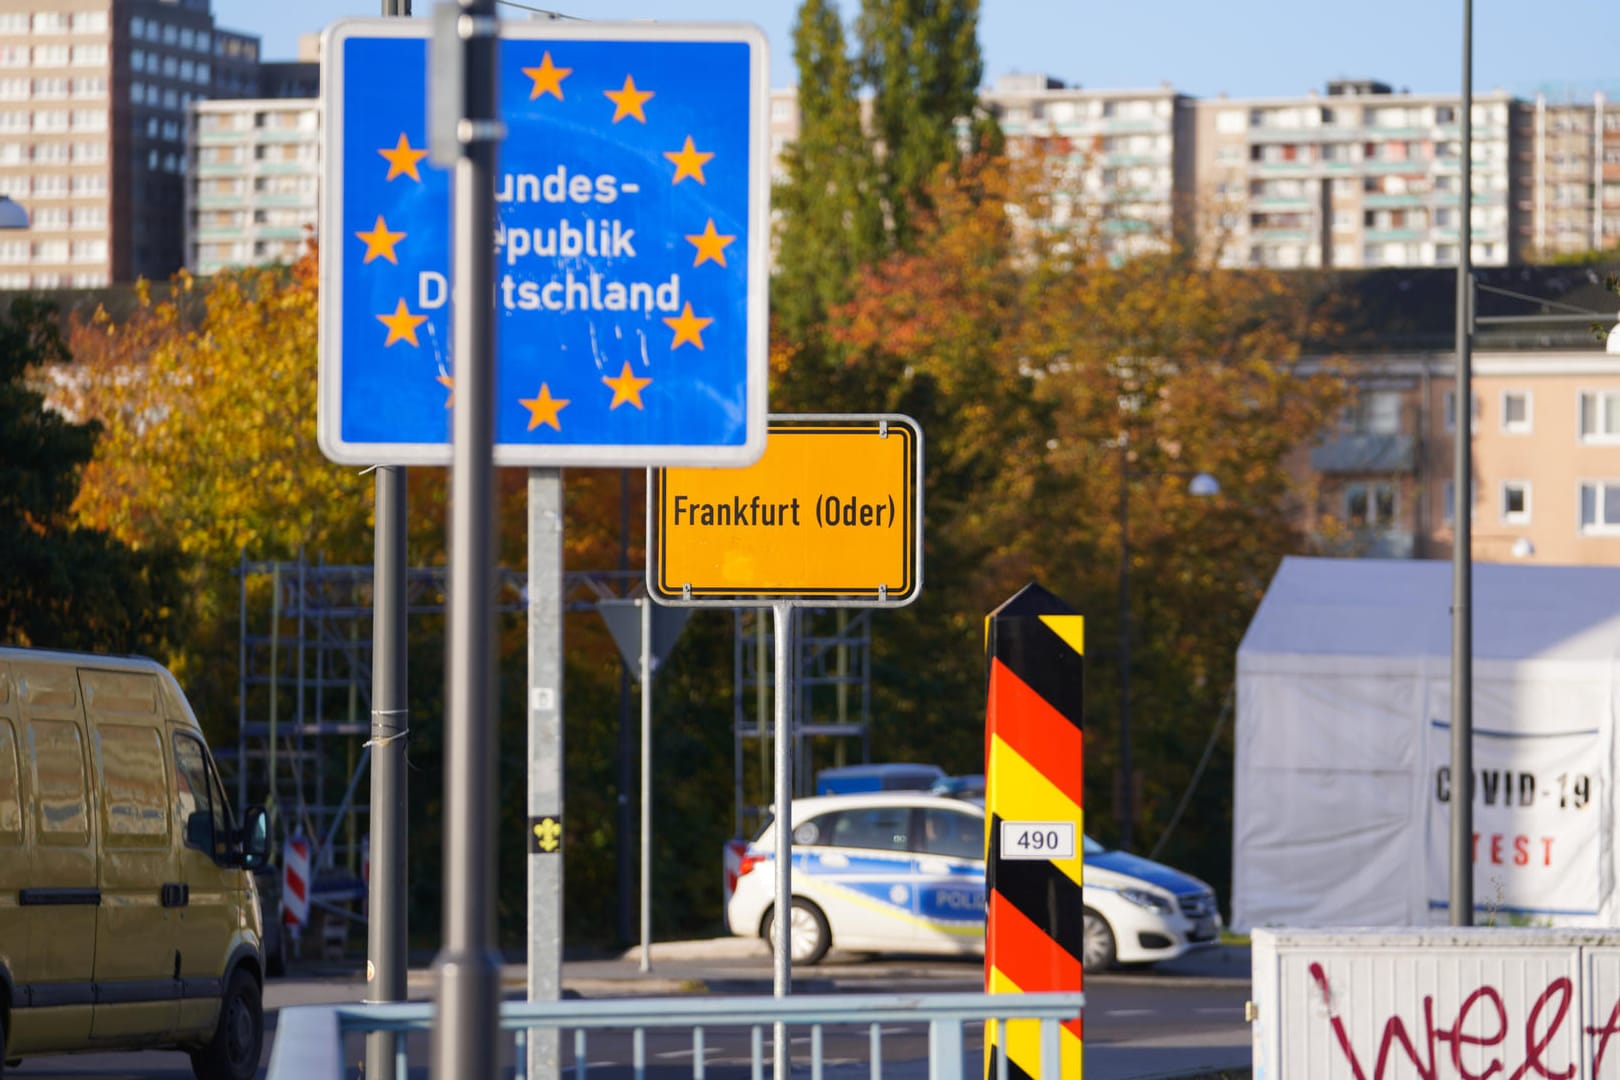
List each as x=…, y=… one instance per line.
x=304, y=689
x=833, y=680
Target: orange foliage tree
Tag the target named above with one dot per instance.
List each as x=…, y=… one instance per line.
x=1040, y=368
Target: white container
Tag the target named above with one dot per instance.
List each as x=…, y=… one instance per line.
x=1436, y=1004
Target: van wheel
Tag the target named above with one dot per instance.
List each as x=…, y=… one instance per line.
x=233, y=1053
x=808, y=936
x=1097, y=942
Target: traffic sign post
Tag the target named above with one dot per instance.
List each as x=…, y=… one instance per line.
x=830, y=516
x=644, y=633
x=630, y=250
x=617, y=317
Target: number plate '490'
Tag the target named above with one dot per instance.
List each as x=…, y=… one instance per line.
x=1037, y=839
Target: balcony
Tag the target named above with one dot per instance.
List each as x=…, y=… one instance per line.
x=1361, y=453
x=1408, y=198
x=1394, y=236
x=1369, y=543
x=1296, y=203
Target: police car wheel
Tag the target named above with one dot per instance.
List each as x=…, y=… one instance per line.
x=1097, y=945
x=808, y=936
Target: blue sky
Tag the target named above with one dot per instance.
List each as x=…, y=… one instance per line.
x=1245, y=48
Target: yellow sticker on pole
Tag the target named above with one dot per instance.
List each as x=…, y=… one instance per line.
x=830, y=514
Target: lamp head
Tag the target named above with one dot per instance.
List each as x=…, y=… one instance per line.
x=1204, y=485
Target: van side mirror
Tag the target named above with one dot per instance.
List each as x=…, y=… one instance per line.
x=255, y=838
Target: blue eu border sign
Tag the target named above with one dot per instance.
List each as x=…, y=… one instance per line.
x=630, y=255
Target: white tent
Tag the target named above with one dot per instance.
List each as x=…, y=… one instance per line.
x=1342, y=780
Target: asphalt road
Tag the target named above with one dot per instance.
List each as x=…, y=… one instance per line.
x=1176, y=1018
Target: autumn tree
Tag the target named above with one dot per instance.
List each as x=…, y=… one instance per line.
x=208, y=401
x=921, y=61
x=854, y=185
x=830, y=221
x=1046, y=376
x=63, y=584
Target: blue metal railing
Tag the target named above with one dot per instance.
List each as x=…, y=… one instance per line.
x=309, y=1038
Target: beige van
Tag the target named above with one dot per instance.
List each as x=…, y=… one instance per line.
x=128, y=917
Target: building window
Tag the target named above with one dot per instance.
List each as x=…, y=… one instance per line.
x=89, y=55
x=1600, y=506
x=1451, y=410
x=1516, y=502
x=1600, y=416
x=1516, y=412
x=90, y=22
x=1375, y=412
x=1370, y=505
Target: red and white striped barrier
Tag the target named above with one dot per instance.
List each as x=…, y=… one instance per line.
x=295, y=880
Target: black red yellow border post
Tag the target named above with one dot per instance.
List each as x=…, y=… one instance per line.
x=1034, y=768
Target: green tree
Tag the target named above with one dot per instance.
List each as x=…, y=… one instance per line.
x=830, y=222
x=61, y=584
x=920, y=60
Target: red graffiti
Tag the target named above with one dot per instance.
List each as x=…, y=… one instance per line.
x=1481, y=1021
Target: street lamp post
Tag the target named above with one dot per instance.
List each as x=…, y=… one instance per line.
x=1202, y=485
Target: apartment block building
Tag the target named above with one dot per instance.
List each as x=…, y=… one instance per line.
x=1127, y=154
x=1358, y=176
x=1361, y=177
x=253, y=192
x=1545, y=431
x=1576, y=165
x=93, y=98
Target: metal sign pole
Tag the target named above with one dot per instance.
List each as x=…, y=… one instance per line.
x=464, y=1038
x=545, y=760
x=645, y=603
x=782, y=611
x=386, y=927
x=390, y=818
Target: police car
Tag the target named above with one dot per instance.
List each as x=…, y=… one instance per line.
x=904, y=872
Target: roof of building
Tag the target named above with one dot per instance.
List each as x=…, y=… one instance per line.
x=1415, y=308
